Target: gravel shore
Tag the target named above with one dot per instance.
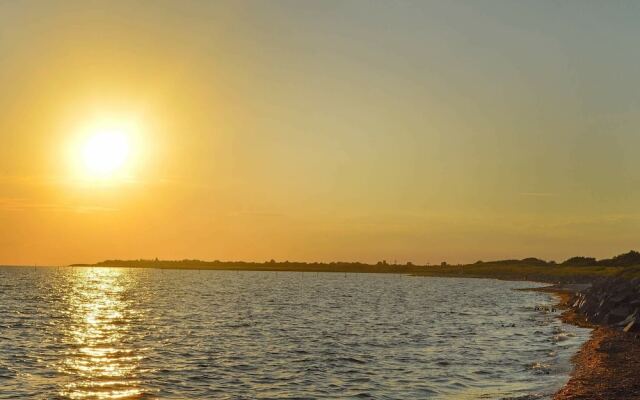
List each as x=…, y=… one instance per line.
x=607, y=367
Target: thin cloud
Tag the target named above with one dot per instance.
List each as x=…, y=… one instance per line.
x=256, y=214
x=21, y=204
x=537, y=194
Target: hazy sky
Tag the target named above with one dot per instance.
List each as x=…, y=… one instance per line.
x=355, y=130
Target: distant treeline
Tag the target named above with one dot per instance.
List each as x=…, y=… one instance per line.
x=630, y=259
x=270, y=265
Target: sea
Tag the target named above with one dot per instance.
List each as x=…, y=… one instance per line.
x=118, y=333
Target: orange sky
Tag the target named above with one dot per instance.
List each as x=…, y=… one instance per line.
x=420, y=132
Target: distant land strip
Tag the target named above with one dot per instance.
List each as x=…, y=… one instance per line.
x=574, y=269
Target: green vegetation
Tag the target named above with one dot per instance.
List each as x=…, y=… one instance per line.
x=575, y=269
x=548, y=273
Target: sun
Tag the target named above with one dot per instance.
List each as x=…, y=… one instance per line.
x=107, y=149
x=105, y=152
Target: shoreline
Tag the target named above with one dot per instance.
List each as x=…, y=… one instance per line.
x=607, y=365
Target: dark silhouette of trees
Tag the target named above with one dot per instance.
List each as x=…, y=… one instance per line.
x=579, y=261
x=629, y=259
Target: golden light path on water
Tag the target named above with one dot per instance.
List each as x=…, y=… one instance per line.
x=102, y=360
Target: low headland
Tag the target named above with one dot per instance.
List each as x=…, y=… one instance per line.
x=603, y=295
x=575, y=269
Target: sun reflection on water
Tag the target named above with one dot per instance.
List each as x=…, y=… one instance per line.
x=103, y=362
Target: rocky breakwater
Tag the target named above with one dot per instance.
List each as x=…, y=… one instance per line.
x=613, y=302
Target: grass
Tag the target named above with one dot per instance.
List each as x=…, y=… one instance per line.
x=546, y=273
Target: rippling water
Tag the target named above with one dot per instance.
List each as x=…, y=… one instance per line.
x=98, y=333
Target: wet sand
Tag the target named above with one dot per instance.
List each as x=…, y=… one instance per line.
x=607, y=367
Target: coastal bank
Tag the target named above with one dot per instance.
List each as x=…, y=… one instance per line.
x=607, y=367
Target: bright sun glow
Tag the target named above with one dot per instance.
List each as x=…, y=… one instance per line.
x=107, y=149
x=105, y=152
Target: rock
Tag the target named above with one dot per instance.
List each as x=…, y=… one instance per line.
x=629, y=318
x=621, y=310
x=612, y=301
x=632, y=326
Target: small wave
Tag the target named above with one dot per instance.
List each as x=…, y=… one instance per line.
x=540, y=368
x=351, y=360
x=561, y=337
x=536, y=396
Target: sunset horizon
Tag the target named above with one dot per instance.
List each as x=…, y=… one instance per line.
x=320, y=199
x=287, y=132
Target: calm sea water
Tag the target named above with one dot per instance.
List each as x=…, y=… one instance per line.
x=92, y=333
